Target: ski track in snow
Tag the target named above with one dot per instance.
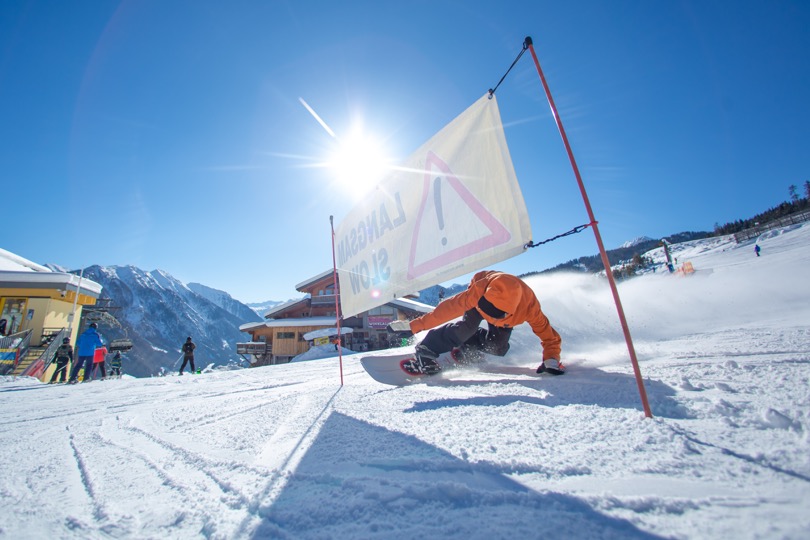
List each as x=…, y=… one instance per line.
x=492, y=452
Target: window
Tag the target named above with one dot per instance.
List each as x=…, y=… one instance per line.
x=285, y=335
x=12, y=312
x=382, y=310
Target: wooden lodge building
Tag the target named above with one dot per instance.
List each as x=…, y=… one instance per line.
x=289, y=328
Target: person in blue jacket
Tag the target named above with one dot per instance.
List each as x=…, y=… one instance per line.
x=86, y=345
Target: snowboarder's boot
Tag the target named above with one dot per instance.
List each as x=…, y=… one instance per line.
x=551, y=366
x=425, y=361
x=466, y=356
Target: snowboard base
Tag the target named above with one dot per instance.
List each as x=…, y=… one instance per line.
x=392, y=368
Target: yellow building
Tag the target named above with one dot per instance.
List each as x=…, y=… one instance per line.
x=39, y=303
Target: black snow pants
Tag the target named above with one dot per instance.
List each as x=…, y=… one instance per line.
x=467, y=335
x=187, y=360
x=61, y=370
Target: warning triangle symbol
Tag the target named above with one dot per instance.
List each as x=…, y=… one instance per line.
x=451, y=224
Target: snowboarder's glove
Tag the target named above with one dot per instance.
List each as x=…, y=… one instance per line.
x=551, y=366
x=401, y=329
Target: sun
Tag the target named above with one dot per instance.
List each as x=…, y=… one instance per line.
x=359, y=161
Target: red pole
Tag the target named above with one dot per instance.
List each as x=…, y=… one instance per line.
x=595, y=227
x=337, y=305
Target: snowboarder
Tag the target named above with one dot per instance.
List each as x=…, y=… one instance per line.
x=501, y=299
x=62, y=356
x=86, y=346
x=757, y=249
x=115, y=365
x=188, y=354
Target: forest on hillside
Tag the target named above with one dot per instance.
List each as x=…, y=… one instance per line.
x=631, y=258
x=795, y=205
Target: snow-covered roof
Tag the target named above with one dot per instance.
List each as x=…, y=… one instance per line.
x=250, y=326
x=281, y=323
x=313, y=279
x=326, y=332
x=413, y=305
x=12, y=261
x=18, y=272
x=303, y=321
x=281, y=307
x=404, y=303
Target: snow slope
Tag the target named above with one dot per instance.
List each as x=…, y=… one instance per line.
x=285, y=452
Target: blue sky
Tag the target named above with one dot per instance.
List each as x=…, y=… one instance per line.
x=171, y=134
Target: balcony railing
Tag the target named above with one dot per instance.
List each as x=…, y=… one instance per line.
x=254, y=347
x=323, y=300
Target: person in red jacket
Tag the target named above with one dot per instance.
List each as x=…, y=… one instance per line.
x=503, y=301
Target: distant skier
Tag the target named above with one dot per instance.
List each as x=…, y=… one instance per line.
x=501, y=299
x=63, y=355
x=86, y=345
x=757, y=249
x=115, y=365
x=188, y=354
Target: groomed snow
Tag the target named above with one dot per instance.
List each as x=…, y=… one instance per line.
x=285, y=452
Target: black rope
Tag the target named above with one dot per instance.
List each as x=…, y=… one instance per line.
x=577, y=229
x=525, y=46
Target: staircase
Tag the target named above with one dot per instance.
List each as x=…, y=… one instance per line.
x=33, y=354
x=12, y=349
x=34, y=360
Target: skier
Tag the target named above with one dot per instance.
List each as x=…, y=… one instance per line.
x=115, y=365
x=503, y=301
x=63, y=355
x=757, y=249
x=188, y=354
x=99, y=357
x=86, y=345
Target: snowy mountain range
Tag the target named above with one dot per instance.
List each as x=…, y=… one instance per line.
x=226, y=302
x=263, y=307
x=158, y=312
x=636, y=241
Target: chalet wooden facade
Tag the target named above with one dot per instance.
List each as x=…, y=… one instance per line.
x=281, y=336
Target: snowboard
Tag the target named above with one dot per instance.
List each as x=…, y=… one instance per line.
x=391, y=368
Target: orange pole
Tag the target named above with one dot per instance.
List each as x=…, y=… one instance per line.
x=595, y=227
x=337, y=305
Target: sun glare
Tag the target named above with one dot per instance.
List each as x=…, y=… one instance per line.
x=359, y=162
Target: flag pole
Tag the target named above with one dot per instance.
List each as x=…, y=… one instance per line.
x=594, y=225
x=337, y=304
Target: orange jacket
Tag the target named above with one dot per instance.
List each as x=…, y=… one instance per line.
x=506, y=292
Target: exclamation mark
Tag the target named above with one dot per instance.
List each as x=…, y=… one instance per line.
x=437, y=199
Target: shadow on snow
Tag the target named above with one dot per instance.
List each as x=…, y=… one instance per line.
x=359, y=480
x=586, y=386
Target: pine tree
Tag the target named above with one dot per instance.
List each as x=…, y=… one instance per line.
x=794, y=194
x=807, y=189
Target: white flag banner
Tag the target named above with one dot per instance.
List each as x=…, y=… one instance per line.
x=453, y=207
